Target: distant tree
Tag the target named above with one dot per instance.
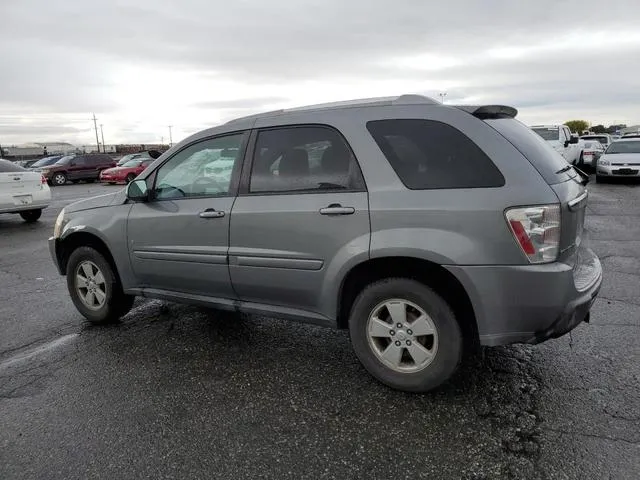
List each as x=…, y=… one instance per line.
x=599, y=129
x=612, y=129
x=577, y=126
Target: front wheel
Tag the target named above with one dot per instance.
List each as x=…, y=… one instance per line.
x=94, y=287
x=31, y=216
x=59, y=179
x=405, y=334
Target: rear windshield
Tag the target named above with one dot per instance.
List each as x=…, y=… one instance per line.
x=541, y=155
x=548, y=133
x=623, y=147
x=7, y=166
x=602, y=140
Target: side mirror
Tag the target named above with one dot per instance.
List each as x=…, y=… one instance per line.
x=566, y=143
x=154, y=154
x=137, y=191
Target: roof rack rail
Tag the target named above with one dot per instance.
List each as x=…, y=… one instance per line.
x=407, y=99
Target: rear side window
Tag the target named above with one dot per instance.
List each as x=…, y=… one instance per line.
x=426, y=154
x=7, y=167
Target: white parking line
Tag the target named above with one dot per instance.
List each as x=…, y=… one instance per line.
x=21, y=357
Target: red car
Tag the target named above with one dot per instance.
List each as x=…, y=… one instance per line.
x=125, y=173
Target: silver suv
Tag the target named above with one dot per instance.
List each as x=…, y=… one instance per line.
x=419, y=227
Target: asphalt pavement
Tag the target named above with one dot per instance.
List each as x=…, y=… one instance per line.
x=182, y=392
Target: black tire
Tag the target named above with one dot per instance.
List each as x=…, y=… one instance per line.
x=116, y=304
x=130, y=178
x=58, y=179
x=450, y=342
x=31, y=216
x=111, y=183
x=599, y=179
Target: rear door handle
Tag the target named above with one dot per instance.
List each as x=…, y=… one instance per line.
x=337, y=209
x=211, y=213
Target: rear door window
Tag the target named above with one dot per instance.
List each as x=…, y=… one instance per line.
x=303, y=159
x=427, y=154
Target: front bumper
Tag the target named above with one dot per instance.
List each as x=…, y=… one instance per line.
x=531, y=303
x=618, y=171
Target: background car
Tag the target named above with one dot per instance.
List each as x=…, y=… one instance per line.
x=77, y=167
x=604, y=138
x=621, y=159
x=132, y=156
x=125, y=173
x=22, y=191
x=592, y=150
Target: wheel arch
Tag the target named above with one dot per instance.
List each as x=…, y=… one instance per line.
x=435, y=276
x=71, y=242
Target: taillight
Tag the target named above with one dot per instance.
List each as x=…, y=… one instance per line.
x=537, y=231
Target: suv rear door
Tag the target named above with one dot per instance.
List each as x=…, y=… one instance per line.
x=301, y=214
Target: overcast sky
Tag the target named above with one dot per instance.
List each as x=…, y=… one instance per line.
x=142, y=65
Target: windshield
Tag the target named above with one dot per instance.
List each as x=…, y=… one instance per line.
x=132, y=163
x=125, y=159
x=45, y=161
x=623, y=147
x=64, y=160
x=547, y=133
x=603, y=140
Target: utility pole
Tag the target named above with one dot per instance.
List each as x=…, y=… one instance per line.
x=442, y=95
x=95, y=126
x=170, y=137
x=104, y=148
x=161, y=140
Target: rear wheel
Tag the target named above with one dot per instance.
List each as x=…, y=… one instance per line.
x=405, y=334
x=59, y=179
x=31, y=216
x=94, y=287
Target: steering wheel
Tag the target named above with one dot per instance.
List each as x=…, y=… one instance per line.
x=208, y=181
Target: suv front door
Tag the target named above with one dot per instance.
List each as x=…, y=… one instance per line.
x=178, y=241
x=301, y=215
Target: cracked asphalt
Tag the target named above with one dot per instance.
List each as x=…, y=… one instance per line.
x=182, y=392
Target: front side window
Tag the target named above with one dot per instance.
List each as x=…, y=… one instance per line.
x=426, y=154
x=305, y=158
x=201, y=169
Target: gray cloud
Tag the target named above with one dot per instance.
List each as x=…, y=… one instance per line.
x=64, y=57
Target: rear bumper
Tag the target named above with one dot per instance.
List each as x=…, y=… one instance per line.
x=531, y=303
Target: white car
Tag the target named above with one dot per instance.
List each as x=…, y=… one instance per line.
x=560, y=139
x=22, y=191
x=620, y=159
x=592, y=150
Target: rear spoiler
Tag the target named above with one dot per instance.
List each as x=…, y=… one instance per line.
x=486, y=112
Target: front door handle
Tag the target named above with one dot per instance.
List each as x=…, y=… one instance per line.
x=337, y=209
x=211, y=213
